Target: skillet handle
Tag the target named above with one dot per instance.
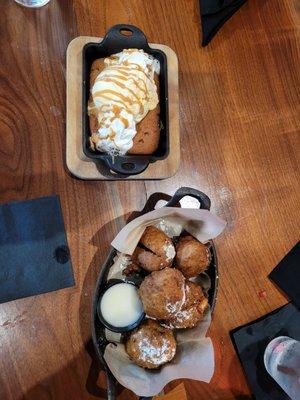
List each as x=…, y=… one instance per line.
x=123, y=36
x=111, y=385
x=120, y=165
x=203, y=199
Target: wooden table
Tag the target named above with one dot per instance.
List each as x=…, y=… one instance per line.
x=239, y=118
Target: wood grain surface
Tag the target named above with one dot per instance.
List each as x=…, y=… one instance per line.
x=239, y=120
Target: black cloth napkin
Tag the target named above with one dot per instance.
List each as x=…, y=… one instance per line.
x=250, y=342
x=287, y=275
x=214, y=14
x=34, y=254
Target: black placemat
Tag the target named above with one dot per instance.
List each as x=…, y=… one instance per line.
x=34, y=255
x=250, y=342
x=214, y=14
x=287, y=275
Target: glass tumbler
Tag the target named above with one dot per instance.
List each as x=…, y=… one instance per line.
x=282, y=361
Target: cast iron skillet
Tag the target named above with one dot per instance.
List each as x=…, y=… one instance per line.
x=98, y=333
x=118, y=38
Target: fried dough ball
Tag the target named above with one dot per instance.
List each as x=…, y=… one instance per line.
x=151, y=345
x=159, y=252
x=192, y=256
x=157, y=241
x=193, y=294
x=192, y=309
x=163, y=293
x=147, y=260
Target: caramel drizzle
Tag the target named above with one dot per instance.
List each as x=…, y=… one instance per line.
x=122, y=86
x=117, y=111
x=125, y=78
x=128, y=69
x=123, y=99
x=108, y=78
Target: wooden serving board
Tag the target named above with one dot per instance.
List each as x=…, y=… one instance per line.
x=85, y=168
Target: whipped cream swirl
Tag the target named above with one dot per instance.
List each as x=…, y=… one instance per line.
x=123, y=93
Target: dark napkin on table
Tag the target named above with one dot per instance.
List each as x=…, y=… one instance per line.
x=34, y=254
x=251, y=340
x=287, y=275
x=214, y=14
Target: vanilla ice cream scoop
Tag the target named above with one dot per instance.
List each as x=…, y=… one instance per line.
x=123, y=93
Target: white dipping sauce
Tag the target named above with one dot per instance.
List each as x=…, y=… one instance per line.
x=121, y=305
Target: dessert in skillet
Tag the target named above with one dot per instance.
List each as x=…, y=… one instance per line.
x=151, y=345
x=124, y=106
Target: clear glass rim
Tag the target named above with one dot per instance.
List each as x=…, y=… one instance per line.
x=37, y=5
x=277, y=340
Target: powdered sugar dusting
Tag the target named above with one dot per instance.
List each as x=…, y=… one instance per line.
x=169, y=250
x=181, y=317
x=173, y=307
x=183, y=288
x=155, y=354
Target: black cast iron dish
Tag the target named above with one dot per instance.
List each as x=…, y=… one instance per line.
x=98, y=329
x=118, y=38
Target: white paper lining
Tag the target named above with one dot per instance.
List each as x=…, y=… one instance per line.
x=194, y=359
x=195, y=355
x=202, y=224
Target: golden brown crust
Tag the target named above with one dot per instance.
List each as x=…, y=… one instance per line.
x=162, y=293
x=147, y=137
x=96, y=68
x=192, y=309
x=192, y=256
x=148, y=261
x=193, y=294
x=161, y=250
x=151, y=345
x=156, y=240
